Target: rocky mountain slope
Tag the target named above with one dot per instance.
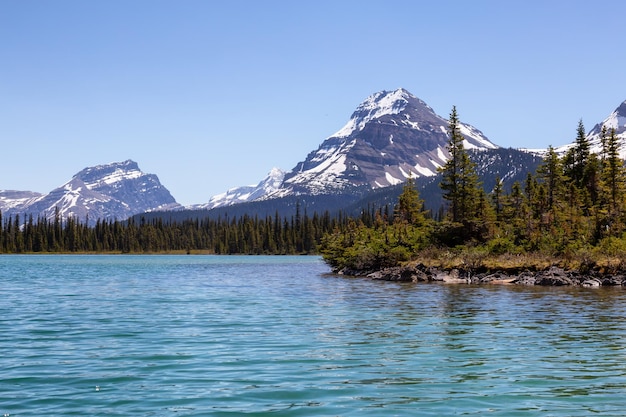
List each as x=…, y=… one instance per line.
x=113, y=191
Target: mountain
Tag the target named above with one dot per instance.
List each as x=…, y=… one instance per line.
x=267, y=186
x=113, y=191
x=10, y=199
x=390, y=136
x=616, y=120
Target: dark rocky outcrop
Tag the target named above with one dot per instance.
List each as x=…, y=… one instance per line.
x=553, y=276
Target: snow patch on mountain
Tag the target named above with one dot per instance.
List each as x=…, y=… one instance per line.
x=424, y=171
x=118, y=175
x=374, y=107
x=393, y=180
x=478, y=139
x=327, y=164
x=12, y=199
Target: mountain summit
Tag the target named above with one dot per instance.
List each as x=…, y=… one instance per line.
x=390, y=136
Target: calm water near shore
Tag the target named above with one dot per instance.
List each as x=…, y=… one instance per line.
x=279, y=336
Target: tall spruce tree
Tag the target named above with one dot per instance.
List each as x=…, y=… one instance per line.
x=459, y=182
x=577, y=158
x=613, y=171
x=409, y=208
x=551, y=173
x=497, y=198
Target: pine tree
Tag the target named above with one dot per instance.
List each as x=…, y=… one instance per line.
x=459, y=178
x=409, y=208
x=613, y=172
x=611, y=189
x=497, y=197
x=577, y=158
x=582, y=168
x=551, y=172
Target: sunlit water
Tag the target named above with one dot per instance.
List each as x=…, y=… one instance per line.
x=279, y=336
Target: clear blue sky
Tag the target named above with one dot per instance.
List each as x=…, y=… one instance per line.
x=210, y=95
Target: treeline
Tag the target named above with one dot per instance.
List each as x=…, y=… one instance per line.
x=574, y=205
x=297, y=234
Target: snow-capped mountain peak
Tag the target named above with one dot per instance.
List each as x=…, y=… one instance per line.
x=375, y=106
x=12, y=199
x=109, y=174
x=390, y=137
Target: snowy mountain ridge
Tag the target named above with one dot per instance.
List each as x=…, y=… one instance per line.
x=235, y=195
x=390, y=136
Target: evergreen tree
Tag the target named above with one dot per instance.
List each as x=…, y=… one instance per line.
x=459, y=178
x=611, y=189
x=577, y=158
x=497, y=197
x=409, y=208
x=582, y=168
x=613, y=172
x=551, y=173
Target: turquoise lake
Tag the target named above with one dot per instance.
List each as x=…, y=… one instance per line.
x=280, y=336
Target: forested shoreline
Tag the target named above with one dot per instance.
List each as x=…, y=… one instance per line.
x=570, y=213
x=271, y=235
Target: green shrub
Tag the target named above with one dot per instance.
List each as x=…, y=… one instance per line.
x=612, y=246
x=501, y=246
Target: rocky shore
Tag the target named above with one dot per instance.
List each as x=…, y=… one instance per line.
x=553, y=276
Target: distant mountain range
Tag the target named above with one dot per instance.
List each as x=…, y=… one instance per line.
x=392, y=135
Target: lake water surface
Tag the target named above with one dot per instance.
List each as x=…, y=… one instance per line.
x=279, y=336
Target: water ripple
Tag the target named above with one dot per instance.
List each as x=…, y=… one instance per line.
x=196, y=336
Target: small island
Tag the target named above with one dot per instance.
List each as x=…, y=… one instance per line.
x=565, y=225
